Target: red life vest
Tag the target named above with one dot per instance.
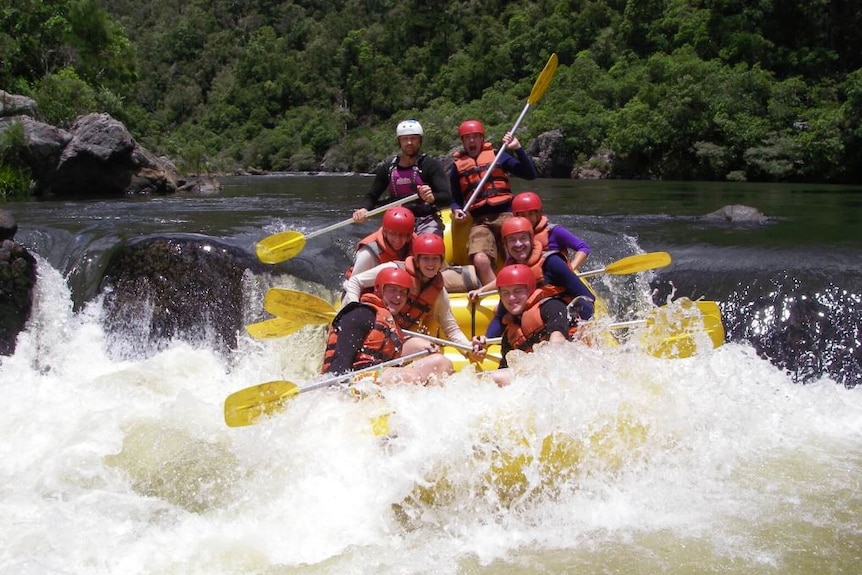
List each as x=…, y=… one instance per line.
x=382, y=343
x=470, y=171
x=527, y=331
x=376, y=242
x=542, y=232
x=419, y=303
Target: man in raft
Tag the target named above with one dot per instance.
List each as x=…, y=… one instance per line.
x=530, y=316
x=410, y=172
x=365, y=333
x=428, y=299
x=493, y=203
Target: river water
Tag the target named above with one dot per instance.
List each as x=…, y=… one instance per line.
x=743, y=459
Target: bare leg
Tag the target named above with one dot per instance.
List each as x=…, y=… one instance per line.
x=484, y=267
x=502, y=377
x=418, y=372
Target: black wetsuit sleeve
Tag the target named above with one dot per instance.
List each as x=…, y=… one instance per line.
x=436, y=177
x=555, y=316
x=378, y=187
x=353, y=328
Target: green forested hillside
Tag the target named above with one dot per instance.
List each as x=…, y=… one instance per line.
x=765, y=90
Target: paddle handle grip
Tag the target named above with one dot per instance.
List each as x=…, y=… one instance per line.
x=374, y=212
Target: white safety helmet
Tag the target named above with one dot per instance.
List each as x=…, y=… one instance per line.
x=409, y=128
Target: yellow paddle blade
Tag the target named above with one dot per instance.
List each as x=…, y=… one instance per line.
x=288, y=303
x=246, y=406
x=638, y=263
x=674, y=331
x=279, y=247
x=276, y=327
x=543, y=81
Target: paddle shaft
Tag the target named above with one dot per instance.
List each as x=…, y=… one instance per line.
x=374, y=212
x=348, y=375
x=440, y=341
x=624, y=266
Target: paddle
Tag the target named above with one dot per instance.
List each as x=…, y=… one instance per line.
x=631, y=264
x=627, y=265
x=246, y=406
x=276, y=327
x=539, y=88
x=292, y=303
x=673, y=334
x=284, y=245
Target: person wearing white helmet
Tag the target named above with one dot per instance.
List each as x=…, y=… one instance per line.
x=410, y=172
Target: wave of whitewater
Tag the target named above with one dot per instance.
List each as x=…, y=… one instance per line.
x=718, y=463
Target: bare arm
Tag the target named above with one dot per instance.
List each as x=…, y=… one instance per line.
x=357, y=282
x=444, y=316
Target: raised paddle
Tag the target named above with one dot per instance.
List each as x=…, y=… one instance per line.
x=284, y=245
x=539, y=89
x=246, y=406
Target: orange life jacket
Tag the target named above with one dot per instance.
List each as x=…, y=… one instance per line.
x=526, y=332
x=419, y=304
x=380, y=248
x=542, y=232
x=496, y=191
x=382, y=343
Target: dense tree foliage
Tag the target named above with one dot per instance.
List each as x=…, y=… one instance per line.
x=761, y=90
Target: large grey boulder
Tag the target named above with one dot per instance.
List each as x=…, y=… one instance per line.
x=15, y=105
x=187, y=287
x=550, y=156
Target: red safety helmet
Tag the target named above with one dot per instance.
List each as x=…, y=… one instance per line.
x=516, y=275
x=392, y=276
x=471, y=127
x=429, y=245
x=526, y=202
x=516, y=225
x=399, y=220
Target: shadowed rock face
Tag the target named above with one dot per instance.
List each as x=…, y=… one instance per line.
x=17, y=278
x=184, y=287
x=737, y=213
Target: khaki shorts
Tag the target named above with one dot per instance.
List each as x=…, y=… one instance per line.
x=485, y=236
x=460, y=279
